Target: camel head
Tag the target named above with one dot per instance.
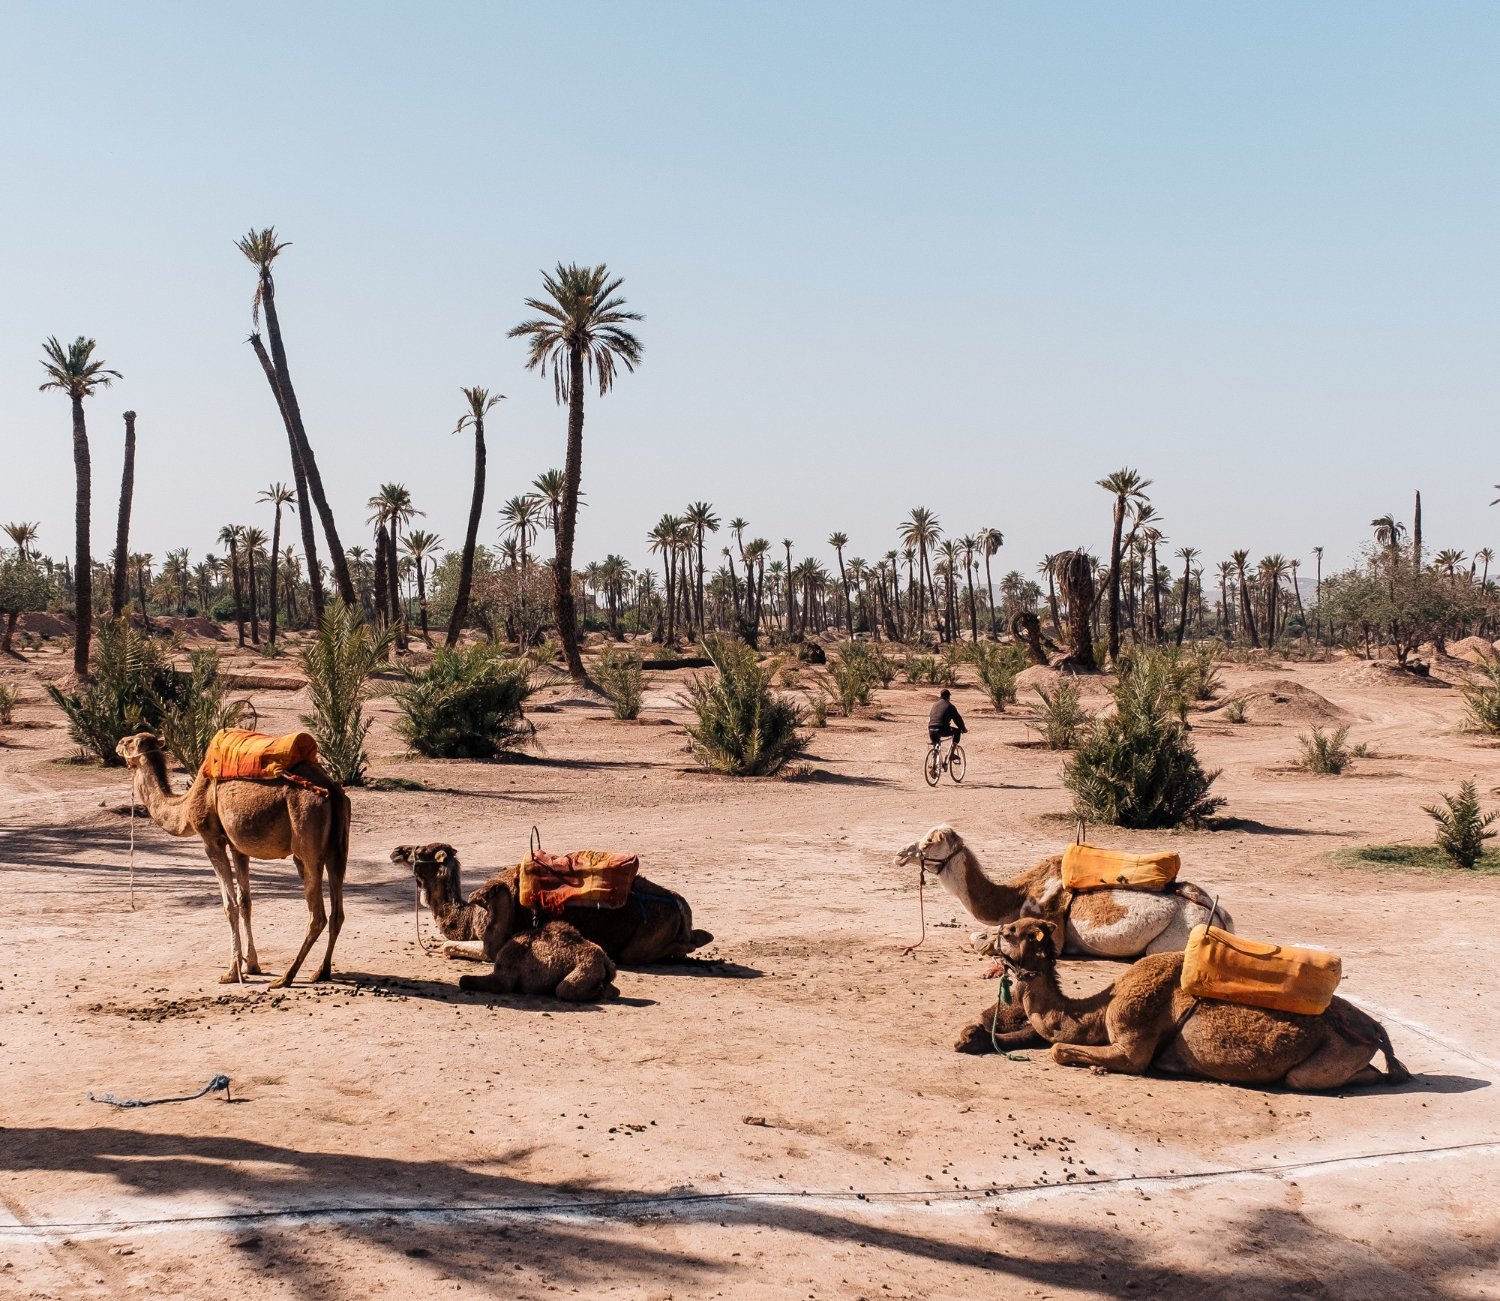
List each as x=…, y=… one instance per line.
x=133, y=749
x=1029, y=945
x=934, y=851
x=435, y=867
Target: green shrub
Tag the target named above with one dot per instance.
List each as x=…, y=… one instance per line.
x=132, y=687
x=998, y=667
x=1325, y=752
x=1483, y=699
x=1165, y=669
x=468, y=703
x=817, y=710
x=1463, y=826
x=338, y=662
x=1064, y=719
x=188, y=724
x=853, y=678
x=743, y=728
x=791, y=675
x=1234, y=711
x=8, y=700
x=1137, y=767
x=618, y=673
x=929, y=671
x=1201, y=672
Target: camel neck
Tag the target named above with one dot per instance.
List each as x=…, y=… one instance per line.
x=991, y=902
x=154, y=790
x=1055, y=1016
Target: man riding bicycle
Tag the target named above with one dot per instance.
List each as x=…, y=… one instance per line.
x=944, y=720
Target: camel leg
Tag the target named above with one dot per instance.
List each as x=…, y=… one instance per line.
x=492, y=983
x=468, y=950
x=317, y=918
x=218, y=856
x=1335, y=1064
x=1130, y=1056
x=242, y=881
x=335, y=917
x=582, y=985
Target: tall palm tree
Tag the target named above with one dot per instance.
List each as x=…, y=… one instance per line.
x=1075, y=572
x=24, y=535
x=1047, y=567
x=664, y=540
x=838, y=541
x=229, y=539
x=422, y=546
x=969, y=545
x=253, y=544
x=1448, y=560
x=391, y=508
x=919, y=532
x=1318, y=593
x=522, y=518
x=701, y=519
x=581, y=334
x=1126, y=486
x=480, y=402
x=548, y=487
x=949, y=550
x=262, y=247
x=122, y=523
x=1226, y=568
x=281, y=497
x=73, y=370
x=1187, y=555
x=1484, y=555
x=1272, y=570
x=1247, y=606
x=990, y=541
x=1388, y=533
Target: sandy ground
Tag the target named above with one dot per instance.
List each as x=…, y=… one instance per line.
x=790, y=1121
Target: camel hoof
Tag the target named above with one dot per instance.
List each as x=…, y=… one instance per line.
x=253, y=969
x=281, y=982
x=323, y=975
x=232, y=977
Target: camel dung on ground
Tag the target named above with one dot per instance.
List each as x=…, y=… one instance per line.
x=554, y=960
x=1144, y=1020
x=305, y=818
x=655, y=925
x=1112, y=923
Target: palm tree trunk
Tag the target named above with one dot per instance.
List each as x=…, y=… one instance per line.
x=466, y=563
x=83, y=565
x=122, y=526
x=393, y=577
x=140, y=584
x=422, y=602
x=239, y=609
x=1114, y=580
x=336, y=559
x=562, y=572
x=275, y=564
x=299, y=476
x=1187, y=584
x=254, y=603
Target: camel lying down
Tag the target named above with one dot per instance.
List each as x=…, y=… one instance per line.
x=1145, y=1020
x=554, y=960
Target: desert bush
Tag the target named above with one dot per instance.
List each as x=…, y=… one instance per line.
x=338, y=663
x=791, y=675
x=1064, y=719
x=743, y=728
x=1138, y=767
x=619, y=675
x=1201, y=672
x=929, y=671
x=468, y=703
x=817, y=710
x=998, y=667
x=1482, y=699
x=1234, y=711
x=8, y=700
x=1325, y=752
x=201, y=709
x=1163, y=669
x=1462, y=826
x=853, y=678
x=132, y=687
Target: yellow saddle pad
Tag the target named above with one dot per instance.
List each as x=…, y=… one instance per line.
x=1087, y=867
x=239, y=755
x=1277, y=976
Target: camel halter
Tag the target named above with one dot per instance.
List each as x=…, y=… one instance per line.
x=924, y=862
x=416, y=902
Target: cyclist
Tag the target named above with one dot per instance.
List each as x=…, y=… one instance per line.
x=944, y=720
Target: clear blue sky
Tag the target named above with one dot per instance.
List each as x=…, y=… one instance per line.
x=966, y=256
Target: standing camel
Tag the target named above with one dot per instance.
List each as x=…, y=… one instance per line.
x=306, y=818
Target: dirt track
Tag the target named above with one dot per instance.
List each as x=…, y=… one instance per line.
x=788, y=1122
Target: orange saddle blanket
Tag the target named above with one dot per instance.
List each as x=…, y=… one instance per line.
x=238, y=755
x=587, y=877
x=1277, y=976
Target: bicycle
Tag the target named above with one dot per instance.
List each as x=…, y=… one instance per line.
x=937, y=763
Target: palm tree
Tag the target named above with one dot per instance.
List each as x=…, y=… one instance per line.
x=390, y=508
x=1226, y=567
x=1484, y=555
x=1187, y=555
x=1126, y=485
x=1272, y=570
x=253, y=544
x=838, y=541
x=1247, y=606
x=1448, y=560
x=1318, y=593
x=122, y=524
x=279, y=496
x=701, y=519
x=521, y=516
x=581, y=335
x=918, y=532
x=229, y=539
x=73, y=370
x=969, y=545
x=548, y=486
x=1388, y=532
x=1075, y=572
x=480, y=402
x=990, y=541
x=420, y=547
x=261, y=247
x=949, y=551
x=291, y=570
x=664, y=540
x=24, y=535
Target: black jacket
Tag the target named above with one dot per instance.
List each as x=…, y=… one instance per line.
x=944, y=717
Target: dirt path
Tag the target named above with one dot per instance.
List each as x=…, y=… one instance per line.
x=788, y=1122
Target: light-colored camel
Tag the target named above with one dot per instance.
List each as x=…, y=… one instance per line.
x=1144, y=1019
x=241, y=820
x=1100, y=923
x=554, y=960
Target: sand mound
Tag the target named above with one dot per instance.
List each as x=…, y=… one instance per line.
x=1474, y=649
x=41, y=624
x=1283, y=701
x=1039, y=675
x=1382, y=673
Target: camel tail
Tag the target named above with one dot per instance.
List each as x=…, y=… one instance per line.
x=341, y=835
x=1395, y=1072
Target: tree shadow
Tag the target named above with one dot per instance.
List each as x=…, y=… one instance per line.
x=826, y=777
x=707, y=968
x=1254, y=828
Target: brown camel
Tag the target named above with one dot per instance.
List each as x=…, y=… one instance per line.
x=1115, y=923
x=1144, y=1020
x=240, y=820
x=554, y=960
x=655, y=925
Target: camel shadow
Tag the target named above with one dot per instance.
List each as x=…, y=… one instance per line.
x=1426, y=1082
x=702, y=967
x=442, y=991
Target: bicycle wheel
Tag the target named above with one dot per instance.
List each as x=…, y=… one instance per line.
x=932, y=768
x=956, y=763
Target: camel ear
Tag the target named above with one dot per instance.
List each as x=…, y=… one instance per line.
x=441, y=856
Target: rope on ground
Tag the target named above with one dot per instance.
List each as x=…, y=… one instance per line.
x=132, y=847
x=219, y=1084
x=921, y=912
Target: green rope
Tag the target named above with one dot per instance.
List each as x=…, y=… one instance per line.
x=1002, y=997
